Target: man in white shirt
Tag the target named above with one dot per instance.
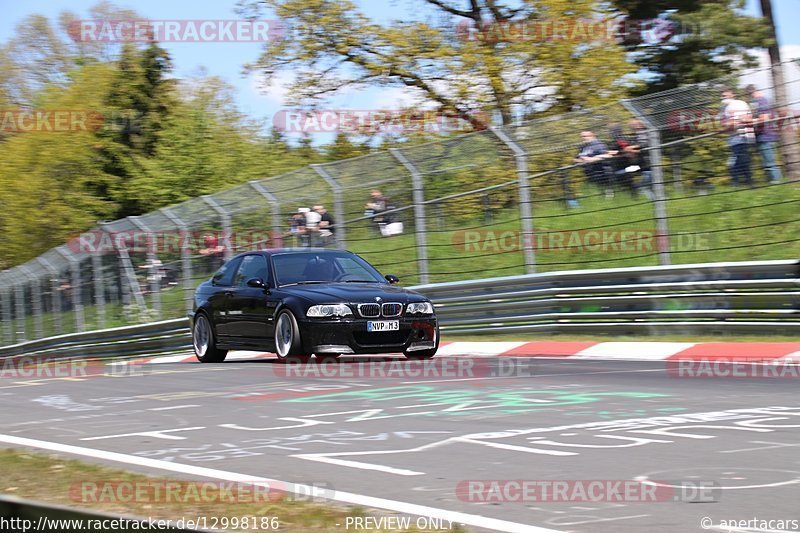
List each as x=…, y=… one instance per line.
x=738, y=120
x=312, y=226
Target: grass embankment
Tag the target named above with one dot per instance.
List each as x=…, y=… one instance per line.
x=67, y=482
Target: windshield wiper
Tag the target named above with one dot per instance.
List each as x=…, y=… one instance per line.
x=360, y=281
x=310, y=282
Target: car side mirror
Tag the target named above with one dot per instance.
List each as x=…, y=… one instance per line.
x=392, y=279
x=256, y=283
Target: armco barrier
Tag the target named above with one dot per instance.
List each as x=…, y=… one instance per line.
x=155, y=337
x=716, y=298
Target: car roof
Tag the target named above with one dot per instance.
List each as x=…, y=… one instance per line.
x=274, y=251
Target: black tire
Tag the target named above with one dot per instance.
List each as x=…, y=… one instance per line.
x=204, y=341
x=288, y=345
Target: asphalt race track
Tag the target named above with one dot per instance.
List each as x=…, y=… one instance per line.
x=422, y=439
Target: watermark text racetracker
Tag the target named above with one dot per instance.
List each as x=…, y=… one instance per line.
x=73, y=120
x=444, y=367
x=578, y=241
x=170, y=491
x=734, y=369
x=176, y=31
x=705, y=120
x=366, y=121
x=586, y=491
x=42, y=367
x=577, y=30
x=110, y=242
x=50, y=120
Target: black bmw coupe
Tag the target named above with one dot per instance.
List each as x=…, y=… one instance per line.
x=299, y=302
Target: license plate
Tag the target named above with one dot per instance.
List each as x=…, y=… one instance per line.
x=383, y=325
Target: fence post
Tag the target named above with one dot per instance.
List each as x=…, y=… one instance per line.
x=525, y=205
x=36, y=302
x=128, y=272
x=8, y=326
x=58, y=327
x=225, y=219
x=276, y=207
x=418, y=195
x=659, y=192
x=19, y=306
x=99, y=288
x=154, y=273
x=75, y=272
x=338, y=205
x=186, y=258
x=789, y=150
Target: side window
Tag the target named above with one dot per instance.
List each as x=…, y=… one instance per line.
x=253, y=266
x=224, y=276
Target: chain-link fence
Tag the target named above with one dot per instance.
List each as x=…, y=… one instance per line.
x=664, y=183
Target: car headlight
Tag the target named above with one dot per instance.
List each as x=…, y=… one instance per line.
x=419, y=308
x=321, y=311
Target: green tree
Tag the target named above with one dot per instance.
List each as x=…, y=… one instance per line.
x=343, y=147
x=205, y=146
x=51, y=184
x=712, y=38
x=333, y=45
x=139, y=103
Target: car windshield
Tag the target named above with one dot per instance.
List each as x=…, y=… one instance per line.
x=323, y=267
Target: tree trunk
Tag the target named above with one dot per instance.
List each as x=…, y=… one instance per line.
x=788, y=144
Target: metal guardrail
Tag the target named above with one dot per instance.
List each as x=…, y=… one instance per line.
x=155, y=337
x=715, y=298
x=754, y=297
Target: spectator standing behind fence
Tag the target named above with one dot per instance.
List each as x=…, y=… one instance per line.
x=297, y=227
x=377, y=204
x=312, y=226
x=641, y=152
x=766, y=131
x=624, y=160
x=325, y=226
x=594, y=153
x=213, y=251
x=738, y=120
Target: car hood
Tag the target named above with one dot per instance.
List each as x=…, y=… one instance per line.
x=353, y=293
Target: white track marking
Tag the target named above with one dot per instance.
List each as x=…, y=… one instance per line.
x=771, y=446
x=184, y=358
x=247, y=356
x=793, y=357
x=655, y=351
x=478, y=348
x=294, y=488
x=158, y=434
x=644, y=480
x=172, y=407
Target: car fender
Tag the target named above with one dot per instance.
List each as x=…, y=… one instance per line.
x=294, y=304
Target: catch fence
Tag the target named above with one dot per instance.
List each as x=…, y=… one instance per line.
x=504, y=201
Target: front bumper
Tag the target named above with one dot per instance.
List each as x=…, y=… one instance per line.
x=343, y=336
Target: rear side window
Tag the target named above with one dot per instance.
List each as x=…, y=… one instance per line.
x=253, y=266
x=224, y=276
